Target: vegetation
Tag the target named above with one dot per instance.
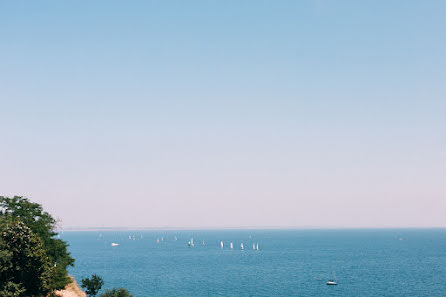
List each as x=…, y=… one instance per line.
x=32, y=261
x=92, y=285
x=120, y=292
x=25, y=268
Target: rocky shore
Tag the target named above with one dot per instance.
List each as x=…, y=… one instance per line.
x=71, y=290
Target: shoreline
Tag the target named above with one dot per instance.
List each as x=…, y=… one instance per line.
x=71, y=290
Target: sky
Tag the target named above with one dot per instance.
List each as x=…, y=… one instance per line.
x=225, y=114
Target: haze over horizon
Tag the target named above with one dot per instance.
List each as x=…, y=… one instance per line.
x=226, y=114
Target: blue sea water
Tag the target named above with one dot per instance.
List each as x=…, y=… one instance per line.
x=394, y=263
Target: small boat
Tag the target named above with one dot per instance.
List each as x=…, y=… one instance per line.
x=175, y=238
x=241, y=246
x=254, y=246
x=204, y=242
x=114, y=244
x=157, y=240
x=334, y=281
x=257, y=246
x=231, y=245
x=221, y=244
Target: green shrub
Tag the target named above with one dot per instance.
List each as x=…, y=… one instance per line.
x=116, y=292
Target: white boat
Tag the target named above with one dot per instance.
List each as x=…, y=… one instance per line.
x=221, y=244
x=254, y=246
x=114, y=244
x=231, y=245
x=204, y=242
x=175, y=238
x=257, y=246
x=157, y=240
x=334, y=281
x=241, y=246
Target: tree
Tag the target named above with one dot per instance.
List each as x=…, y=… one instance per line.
x=93, y=285
x=25, y=268
x=43, y=225
x=120, y=292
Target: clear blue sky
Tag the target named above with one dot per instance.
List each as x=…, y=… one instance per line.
x=226, y=113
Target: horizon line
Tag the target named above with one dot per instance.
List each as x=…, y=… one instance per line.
x=222, y=228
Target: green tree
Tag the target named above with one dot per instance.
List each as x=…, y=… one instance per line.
x=43, y=225
x=120, y=292
x=92, y=285
x=25, y=268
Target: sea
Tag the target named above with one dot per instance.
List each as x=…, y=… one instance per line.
x=382, y=262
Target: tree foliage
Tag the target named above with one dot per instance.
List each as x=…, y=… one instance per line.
x=119, y=292
x=92, y=285
x=43, y=225
x=25, y=268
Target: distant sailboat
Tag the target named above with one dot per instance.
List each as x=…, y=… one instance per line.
x=204, y=242
x=162, y=238
x=175, y=238
x=114, y=244
x=130, y=238
x=241, y=246
x=231, y=245
x=157, y=240
x=254, y=246
x=221, y=244
x=257, y=246
x=334, y=281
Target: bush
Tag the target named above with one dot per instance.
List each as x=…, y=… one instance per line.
x=93, y=285
x=119, y=292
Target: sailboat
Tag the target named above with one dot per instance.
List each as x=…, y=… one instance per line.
x=334, y=281
x=231, y=245
x=254, y=246
x=221, y=244
x=257, y=246
x=114, y=244
x=241, y=246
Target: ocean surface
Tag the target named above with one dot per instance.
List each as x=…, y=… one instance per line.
x=400, y=262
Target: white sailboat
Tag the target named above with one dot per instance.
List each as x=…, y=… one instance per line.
x=114, y=244
x=231, y=245
x=257, y=246
x=254, y=246
x=221, y=244
x=334, y=281
x=241, y=246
